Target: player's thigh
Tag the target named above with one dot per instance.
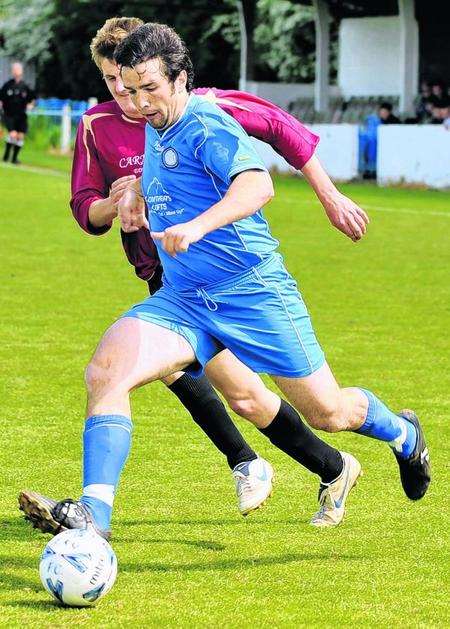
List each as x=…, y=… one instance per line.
x=243, y=389
x=133, y=352
x=317, y=396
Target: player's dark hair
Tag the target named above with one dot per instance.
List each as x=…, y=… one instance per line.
x=387, y=106
x=156, y=40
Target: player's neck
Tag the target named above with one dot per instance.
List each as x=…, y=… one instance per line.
x=180, y=105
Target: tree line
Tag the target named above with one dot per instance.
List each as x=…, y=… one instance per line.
x=55, y=36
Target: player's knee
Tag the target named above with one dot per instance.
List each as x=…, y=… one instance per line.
x=97, y=378
x=246, y=407
x=329, y=418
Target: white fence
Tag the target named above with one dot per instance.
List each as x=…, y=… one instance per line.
x=337, y=150
x=411, y=154
x=67, y=117
x=414, y=154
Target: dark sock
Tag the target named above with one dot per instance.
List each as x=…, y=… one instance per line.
x=208, y=411
x=8, y=148
x=290, y=434
x=16, y=150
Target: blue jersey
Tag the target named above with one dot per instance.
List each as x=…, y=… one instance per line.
x=187, y=169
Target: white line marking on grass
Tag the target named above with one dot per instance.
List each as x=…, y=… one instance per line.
x=378, y=208
x=34, y=169
x=405, y=210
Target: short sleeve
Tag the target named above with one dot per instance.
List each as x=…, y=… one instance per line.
x=225, y=149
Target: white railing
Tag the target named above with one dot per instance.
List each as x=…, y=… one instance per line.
x=66, y=114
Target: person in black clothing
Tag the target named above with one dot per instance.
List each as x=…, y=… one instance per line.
x=385, y=114
x=16, y=97
x=440, y=110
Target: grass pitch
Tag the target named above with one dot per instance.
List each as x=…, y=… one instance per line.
x=186, y=557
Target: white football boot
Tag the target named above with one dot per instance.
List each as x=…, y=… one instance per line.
x=253, y=484
x=332, y=496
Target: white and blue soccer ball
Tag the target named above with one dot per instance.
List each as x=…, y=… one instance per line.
x=78, y=567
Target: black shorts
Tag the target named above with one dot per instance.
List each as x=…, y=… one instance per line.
x=18, y=122
x=155, y=282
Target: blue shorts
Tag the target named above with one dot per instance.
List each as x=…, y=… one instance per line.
x=258, y=315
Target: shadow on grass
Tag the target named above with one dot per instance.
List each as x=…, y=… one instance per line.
x=232, y=564
x=48, y=606
x=16, y=529
x=10, y=580
x=238, y=521
x=204, y=544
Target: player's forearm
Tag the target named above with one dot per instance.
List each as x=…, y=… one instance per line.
x=135, y=185
x=319, y=181
x=102, y=212
x=249, y=192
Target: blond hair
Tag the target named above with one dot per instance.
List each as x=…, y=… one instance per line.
x=110, y=35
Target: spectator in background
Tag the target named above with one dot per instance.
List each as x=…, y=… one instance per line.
x=423, y=103
x=385, y=114
x=16, y=98
x=440, y=111
x=437, y=91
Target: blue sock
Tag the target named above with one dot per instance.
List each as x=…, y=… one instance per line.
x=383, y=424
x=106, y=444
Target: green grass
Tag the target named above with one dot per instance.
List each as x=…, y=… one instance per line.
x=186, y=558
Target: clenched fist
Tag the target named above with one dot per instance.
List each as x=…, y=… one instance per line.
x=176, y=239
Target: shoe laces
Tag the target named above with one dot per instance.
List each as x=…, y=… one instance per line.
x=243, y=484
x=325, y=501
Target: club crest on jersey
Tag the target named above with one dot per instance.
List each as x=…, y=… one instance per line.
x=170, y=158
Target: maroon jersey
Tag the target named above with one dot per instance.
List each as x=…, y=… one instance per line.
x=110, y=145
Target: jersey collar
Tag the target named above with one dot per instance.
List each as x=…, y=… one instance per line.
x=189, y=104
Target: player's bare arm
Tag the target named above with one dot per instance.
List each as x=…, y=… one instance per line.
x=104, y=211
x=342, y=212
x=131, y=208
x=249, y=191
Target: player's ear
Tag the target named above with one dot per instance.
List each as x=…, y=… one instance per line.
x=181, y=81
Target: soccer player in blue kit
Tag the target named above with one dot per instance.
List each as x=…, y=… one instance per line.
x=224, y=284
x=225, y=289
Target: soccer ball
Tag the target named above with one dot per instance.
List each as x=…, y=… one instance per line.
x=78, y=567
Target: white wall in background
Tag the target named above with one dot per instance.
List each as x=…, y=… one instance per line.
x=369, y=56
x=414, y=154
x=337, y=150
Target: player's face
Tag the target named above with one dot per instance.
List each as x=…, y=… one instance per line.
x=159, y=100
x=113, y=80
